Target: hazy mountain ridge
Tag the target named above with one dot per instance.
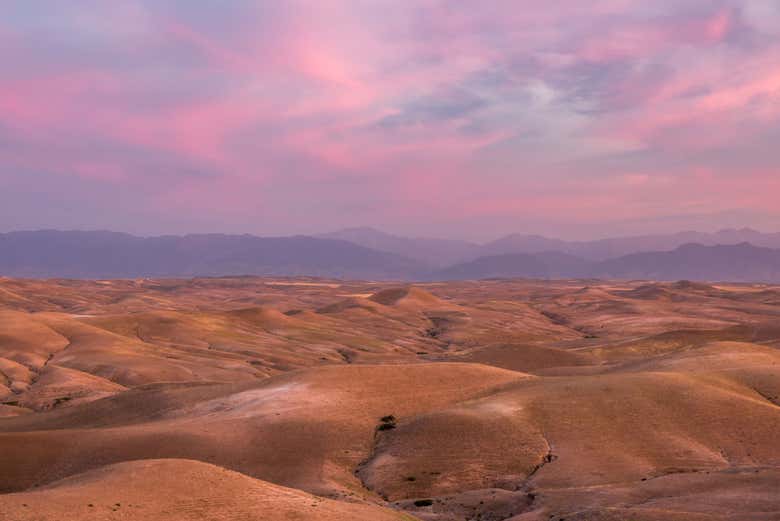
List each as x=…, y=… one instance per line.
x=117, y=255
x=49, y=254
x=444, y=253
x=433, y=252
x=548, y=265
x=603, y=249
x=738, y=263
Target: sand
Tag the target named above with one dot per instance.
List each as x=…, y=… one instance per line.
x=247, y=398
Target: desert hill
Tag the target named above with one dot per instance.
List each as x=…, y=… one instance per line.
x=325, y=399
x=196, y=490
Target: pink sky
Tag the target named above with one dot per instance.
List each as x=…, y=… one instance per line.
x=428, y=117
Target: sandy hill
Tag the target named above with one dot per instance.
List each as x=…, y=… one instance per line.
x=407, y=297
x=193, y=491
x=248, y=398
x=307, y=429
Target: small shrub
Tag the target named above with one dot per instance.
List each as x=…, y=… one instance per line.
x=387, y=423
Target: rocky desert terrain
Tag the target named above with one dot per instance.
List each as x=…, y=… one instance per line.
x=247, y=398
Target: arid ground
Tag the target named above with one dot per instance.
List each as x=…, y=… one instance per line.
x=304, y=399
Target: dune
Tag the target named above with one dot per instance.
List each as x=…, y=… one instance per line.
x=308, y=429
x=8, y=411
x=14, y=372
x=264, y=317
x=27, y=340
x=242, y=398
x=734, y=494
x=409, y=297
x=179, y=489
x=62, y=387
x=529, y=358
x=687, y=285
x=646, y=292
x=436, y=454
x=351, y=303
x=542, y=437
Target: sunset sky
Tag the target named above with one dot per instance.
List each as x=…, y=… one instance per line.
x=443, y=118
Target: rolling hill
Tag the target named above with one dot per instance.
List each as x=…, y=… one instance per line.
x=279, y=399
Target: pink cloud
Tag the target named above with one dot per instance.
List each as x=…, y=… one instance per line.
x=645, y=39
x=355, y=101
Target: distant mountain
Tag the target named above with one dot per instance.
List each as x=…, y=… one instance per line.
x=529, y=244
x=118, y=255
x=439, y=253
x=549, y=265
x=738, y=263
x=615, y=247
x=433, y=252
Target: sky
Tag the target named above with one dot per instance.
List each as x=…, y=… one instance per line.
x=577, y=119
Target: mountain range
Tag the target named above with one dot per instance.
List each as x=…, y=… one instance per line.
x=442, y=253
x=737, y=263
x=429, y=251
x=76, y=254
x=363, y=253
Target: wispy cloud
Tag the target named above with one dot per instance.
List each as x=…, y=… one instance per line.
x=301, y=116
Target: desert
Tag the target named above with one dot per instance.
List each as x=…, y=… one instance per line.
x=305, y=398
x=390, y=260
